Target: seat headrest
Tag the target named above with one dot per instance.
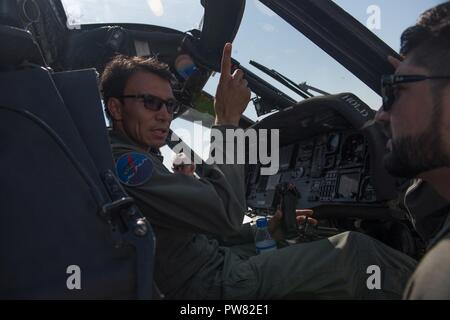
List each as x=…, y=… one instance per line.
x=9, y=14
x=21, y=47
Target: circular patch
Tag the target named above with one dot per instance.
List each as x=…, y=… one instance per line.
x=185, y=66
x=134, y=169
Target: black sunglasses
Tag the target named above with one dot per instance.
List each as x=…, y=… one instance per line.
x=389, y=81
x=155, y=104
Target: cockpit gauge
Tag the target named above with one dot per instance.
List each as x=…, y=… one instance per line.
x=333, y=142
x=353, y=149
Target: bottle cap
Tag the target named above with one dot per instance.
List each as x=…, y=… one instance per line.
x=262, y=223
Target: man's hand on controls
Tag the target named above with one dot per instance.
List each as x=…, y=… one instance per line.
x=233, y=95
x=302, y=216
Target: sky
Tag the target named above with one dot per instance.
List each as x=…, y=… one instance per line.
x=265, y=38
x=269, y=40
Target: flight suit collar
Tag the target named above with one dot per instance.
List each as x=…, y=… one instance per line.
x=442, y=233
x=429, y=212
x=118, y=137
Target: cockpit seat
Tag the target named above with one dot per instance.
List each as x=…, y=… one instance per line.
x=56, y=184
x=18, y=46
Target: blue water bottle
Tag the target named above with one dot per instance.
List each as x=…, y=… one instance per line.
x=263, y=240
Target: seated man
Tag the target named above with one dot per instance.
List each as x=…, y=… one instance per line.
x=416, y=112
x=182, y=209
x=182, y=164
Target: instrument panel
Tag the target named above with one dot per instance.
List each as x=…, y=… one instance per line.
x=330, y=168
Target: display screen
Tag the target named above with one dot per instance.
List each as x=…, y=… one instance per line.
x=273, y=182
x=285, y=157
x=262, y=184
x=348, y=185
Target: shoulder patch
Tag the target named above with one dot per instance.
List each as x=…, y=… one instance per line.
x=134, y=169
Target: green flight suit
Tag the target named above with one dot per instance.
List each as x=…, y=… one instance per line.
x=184, y=209
x=430, y=214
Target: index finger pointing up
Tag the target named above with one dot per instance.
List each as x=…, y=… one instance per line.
x=225, y=71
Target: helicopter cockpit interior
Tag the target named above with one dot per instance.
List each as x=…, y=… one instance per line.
x=59, y=163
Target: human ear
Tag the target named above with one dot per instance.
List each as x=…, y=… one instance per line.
x=115, y=109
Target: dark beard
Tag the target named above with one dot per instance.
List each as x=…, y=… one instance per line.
x=411, y=156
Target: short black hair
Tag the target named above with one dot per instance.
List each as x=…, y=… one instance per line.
x=428, y=42
x=120, y=69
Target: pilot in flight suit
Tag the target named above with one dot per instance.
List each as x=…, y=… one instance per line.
x=183, y=210
x=420, y=148
x=430, y=215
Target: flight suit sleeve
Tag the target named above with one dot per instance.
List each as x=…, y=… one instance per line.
x=245, y=234
x=214, y=204
x=430, y=280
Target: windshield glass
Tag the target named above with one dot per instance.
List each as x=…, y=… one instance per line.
x=181, y=15
x=277, y=45
x=271, y=41
x=266, y=38
x=387, y=18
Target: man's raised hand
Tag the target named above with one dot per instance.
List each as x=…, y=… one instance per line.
x=233, y=95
